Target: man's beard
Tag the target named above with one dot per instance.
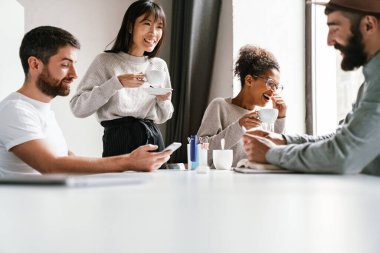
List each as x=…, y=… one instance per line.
x=51, y=86
x=353, y=53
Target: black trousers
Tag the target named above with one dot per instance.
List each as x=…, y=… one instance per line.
x=123, y=135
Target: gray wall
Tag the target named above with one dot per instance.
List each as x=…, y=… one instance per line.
x=222, y=78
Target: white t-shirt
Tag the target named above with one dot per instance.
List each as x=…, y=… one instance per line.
x=24, y=119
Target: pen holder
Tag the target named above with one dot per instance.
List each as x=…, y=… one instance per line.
x=193, y=154
x=188, y=157
x=201, y=157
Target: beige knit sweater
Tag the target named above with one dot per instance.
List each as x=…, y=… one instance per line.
x=221, y=120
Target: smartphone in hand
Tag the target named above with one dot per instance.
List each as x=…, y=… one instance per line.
x=174, y=146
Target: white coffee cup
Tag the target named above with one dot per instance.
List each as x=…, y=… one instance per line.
x=268, y=115
x=222, y=159
x=155, y=77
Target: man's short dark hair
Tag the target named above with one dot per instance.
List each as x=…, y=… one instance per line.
x=43, y=42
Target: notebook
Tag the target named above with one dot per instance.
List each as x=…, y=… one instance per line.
x=245, y=166
x=71, y=180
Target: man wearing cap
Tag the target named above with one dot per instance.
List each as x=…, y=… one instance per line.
x=354, y=30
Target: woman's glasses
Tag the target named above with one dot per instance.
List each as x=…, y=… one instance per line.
x=275, y=87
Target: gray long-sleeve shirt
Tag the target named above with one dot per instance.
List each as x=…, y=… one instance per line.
x=353, y=148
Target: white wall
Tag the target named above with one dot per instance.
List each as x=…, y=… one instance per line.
x=11, y=33
x=95, y=23
x=278, y=26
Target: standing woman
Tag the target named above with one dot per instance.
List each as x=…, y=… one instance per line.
x=112, y=86
x=225, y=118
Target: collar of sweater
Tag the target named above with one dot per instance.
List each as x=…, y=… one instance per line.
x=134, y=59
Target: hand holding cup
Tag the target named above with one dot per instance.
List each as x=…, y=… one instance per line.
x=131, y=80
x=250, y=120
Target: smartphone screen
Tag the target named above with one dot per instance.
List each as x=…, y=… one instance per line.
x=174, y=146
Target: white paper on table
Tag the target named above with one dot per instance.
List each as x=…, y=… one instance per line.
x=245, y=166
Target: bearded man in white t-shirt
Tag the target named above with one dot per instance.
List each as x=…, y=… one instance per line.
x=31, y=141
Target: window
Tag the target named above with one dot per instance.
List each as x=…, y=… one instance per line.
x=333, y=90
x=266, y=24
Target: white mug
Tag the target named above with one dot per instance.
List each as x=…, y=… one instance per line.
x=268, y=116
x=222, y=159
x=155, y=77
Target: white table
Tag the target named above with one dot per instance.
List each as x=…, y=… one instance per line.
x=181, y=211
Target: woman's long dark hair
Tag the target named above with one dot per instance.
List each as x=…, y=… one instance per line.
x=124, y=38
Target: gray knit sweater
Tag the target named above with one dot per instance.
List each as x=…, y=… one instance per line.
x=221, y=120
x=100, y=90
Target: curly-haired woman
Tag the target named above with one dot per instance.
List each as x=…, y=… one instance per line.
x=259, y=73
